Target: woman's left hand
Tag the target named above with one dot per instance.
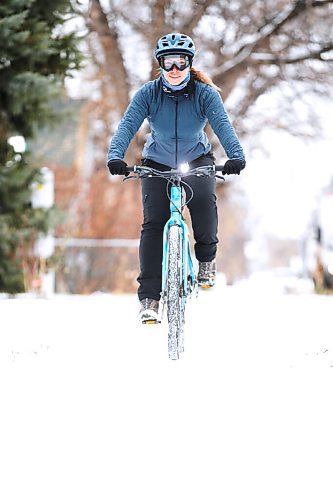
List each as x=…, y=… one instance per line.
x=233, y=167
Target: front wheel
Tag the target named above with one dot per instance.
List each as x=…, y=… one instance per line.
x=175, y=301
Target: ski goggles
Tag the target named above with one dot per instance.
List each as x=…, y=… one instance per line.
x=180, y=61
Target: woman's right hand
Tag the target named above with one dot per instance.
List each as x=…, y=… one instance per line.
x=117, y=167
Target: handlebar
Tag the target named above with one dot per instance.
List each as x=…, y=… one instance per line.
x=202, y=171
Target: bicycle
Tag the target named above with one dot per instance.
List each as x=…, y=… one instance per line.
x=179, y=279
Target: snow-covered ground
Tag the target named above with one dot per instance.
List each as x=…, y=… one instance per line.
x=92, y=409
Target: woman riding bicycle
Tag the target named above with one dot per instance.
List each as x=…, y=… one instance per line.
x=177, y=105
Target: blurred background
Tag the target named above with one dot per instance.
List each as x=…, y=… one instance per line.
x=68, y=70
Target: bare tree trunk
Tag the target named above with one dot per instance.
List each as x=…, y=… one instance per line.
x=113, y=59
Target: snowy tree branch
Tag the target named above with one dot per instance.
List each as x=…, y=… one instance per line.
x=199, y=10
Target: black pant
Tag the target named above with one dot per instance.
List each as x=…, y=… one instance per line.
x=156, y=212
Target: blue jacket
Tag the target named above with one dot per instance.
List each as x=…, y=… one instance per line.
x=176, y=123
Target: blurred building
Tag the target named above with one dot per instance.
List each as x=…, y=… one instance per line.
x=94, y=208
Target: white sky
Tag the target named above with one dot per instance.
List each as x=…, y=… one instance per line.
x=282, y=187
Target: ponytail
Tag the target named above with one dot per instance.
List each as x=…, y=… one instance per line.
x=199, y=75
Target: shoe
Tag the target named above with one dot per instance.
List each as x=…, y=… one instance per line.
x=149, y=311
x=207, y=274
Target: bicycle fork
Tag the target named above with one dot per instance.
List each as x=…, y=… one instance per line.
x=188, y=275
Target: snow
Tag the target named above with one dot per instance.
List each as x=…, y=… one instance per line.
x=91, y=407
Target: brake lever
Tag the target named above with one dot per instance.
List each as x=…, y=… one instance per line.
x=128, y=177
x=138, y=175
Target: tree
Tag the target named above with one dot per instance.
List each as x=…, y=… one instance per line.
x=36, y=54
x=252, y=49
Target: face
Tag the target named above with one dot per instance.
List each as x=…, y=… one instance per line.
x=175, y=68
x=175, y=76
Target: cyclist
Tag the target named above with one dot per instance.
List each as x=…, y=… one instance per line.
x=177, y=105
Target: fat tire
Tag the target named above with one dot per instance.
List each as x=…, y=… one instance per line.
x=175, y=301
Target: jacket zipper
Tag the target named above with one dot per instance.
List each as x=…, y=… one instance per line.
x=176, y=133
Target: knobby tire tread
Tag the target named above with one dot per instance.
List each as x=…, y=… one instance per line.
x=175, y=311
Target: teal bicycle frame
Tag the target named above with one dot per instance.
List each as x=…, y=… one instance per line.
x=188, y=274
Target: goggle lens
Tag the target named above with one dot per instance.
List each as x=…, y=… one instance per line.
x=180, y=61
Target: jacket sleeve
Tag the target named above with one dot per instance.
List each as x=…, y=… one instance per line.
x=219, y=120
x=128, y=126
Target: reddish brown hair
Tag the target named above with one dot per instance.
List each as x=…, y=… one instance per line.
x=199, y=75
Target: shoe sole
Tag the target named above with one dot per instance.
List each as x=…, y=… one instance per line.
x=149, y=318
x=206, y=285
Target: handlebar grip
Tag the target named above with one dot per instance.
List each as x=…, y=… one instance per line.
x=130, y=168
x=219, y=168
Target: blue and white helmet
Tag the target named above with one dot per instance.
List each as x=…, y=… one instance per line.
x=175, y=43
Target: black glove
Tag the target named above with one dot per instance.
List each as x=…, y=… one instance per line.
x=117, y=167
x=233, y=167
